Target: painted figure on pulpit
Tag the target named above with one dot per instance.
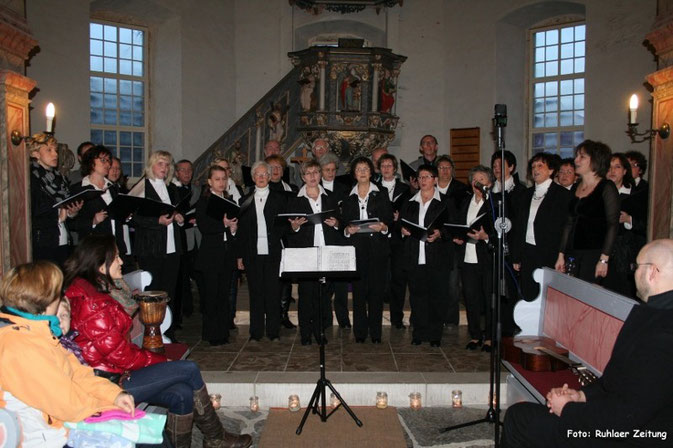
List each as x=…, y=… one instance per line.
x=307, y=83
x=387, y=89
x=350, y=91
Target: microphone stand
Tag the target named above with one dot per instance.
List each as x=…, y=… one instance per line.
x=498, y=289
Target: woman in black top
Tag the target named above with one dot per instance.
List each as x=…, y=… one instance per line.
x=591, y=227
x=93, y=218
x=631, y=236
x=372, y=250
x=537, y=230
x=47, y=187
x=312, y=198
x=216, y=259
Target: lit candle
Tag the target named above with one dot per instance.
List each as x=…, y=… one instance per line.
x=457, y=398
x=293, y=403
x=415, y=400
x=334, y=401
x=254, y=404
x=216, y=400
x=633, y=109
x=381, y=400
x=50, y=112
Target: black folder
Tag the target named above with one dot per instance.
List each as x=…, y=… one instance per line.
x=124, y=205
x=364, y=224
x=218, y=207
x=313, y=218
x=460, y=230
x=84, y=195
x=407, y=171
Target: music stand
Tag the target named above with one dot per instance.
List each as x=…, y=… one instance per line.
x=308, y=270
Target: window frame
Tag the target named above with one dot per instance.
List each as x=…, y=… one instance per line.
x=532, y=80
x=118, y=128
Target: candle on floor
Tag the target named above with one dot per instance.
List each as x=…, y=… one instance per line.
x=293, y=403
x=254, y=404
x=381, y=400
x=415, y=400
x=457, y=398
x=216, y=400
x=334, y=401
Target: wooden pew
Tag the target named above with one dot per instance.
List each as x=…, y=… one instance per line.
x=582, y=317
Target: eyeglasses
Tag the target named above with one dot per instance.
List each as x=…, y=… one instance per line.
x=362, y=170
x=634, y=266
x=426, y=176
x=444, y=168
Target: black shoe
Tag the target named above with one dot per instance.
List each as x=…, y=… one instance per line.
x=324, y=340
x=288, y=324
x=376, y=340
x=486, y=348
x=400, y=326
x=252, y=338
x=360, y=340
x=232, y=326
x=274, y=338
x=347, y=326
x=416, y=342
x=306, y=341
x=214, y=342
x=435, y=343
x=473, y=345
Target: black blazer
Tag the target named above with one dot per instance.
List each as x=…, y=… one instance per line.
x=150, y=236
x=484, y=249
x=458, y=192
x=304, y=237
x=549, y=222
x=246, y=240
x=214, y=254
x=437, y=253
x=340, y=191
x=83, y=222
x=44, y=218
x=403, y=189
x=378, y=206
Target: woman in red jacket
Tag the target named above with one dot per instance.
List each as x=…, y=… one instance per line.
x=103, y=328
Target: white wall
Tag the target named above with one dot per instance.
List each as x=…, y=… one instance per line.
x=211, y=64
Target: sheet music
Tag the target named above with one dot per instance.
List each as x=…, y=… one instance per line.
x=318, y=259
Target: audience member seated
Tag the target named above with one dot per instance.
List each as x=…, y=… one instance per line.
x=39, y=381
x=103, y=328
x=630, y=405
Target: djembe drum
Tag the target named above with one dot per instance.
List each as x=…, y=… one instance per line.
x=152, y=312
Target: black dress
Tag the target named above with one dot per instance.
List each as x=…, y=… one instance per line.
x=591, y=227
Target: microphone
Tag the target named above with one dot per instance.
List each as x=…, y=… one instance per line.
x=481, y=187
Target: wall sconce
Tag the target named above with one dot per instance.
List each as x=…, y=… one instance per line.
x=50, y=112
x=664, y=131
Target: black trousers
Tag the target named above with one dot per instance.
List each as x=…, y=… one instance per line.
x=428, y=298
x=183, y=300
x=264, y=286
x=339, y=288
x=452, y=308
x=398, y=284
x=308, y=309
x=215, y=308
x=164, y=272
x=368, y=297
x=477, y=288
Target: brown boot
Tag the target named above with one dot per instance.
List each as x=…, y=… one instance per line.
x=179, y=429
x=214, y=435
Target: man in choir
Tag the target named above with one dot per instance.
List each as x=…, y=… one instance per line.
x=630, y=405
x=428, y=150
x=376, y=155
x=191, y=238
x=566, y=174
x=272, y=148
x=319, y=148
x=638, y=164
x=75, y=176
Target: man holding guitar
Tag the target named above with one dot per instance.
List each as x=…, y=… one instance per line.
x=631, y=404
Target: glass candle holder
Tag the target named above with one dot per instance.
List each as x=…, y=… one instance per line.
x=415, y=400
x=254, y=404
x=457, y=398
x=334, y=401
x=293, y=403
x=216, y=400
x=381, y=400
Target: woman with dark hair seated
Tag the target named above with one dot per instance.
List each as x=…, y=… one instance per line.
x=40, y=381
x=93, y=217
x=632, y=234
x=103, y=328
x=371, y=248
x=591, y=228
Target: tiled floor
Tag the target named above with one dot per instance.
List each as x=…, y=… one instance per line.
x=395, y=354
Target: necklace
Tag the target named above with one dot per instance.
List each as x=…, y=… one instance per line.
x=538, y=198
